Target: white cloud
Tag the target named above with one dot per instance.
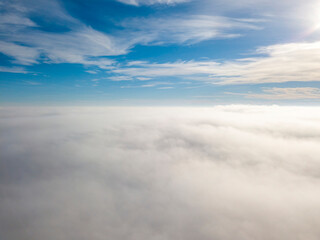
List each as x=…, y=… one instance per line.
x=120, y=78
x=150, y=84
x=33, y=83
x=143, y=78
x=152, y=2
x=22, y=54
x=228, y=172
x=185, y=29
x=280, y=12
x=154, y=84
x=15, y=19
x=285, y=93
x=281, y=63
x=91, y=71
x=13, y=69
x=85, y=46
x=164, y=88
x=23, y=41
x=28, y=44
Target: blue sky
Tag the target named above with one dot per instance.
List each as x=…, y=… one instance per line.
x=159, y=52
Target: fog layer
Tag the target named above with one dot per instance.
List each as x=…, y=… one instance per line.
x=220, y=173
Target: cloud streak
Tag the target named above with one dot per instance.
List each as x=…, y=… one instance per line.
x=186, y=29
x=27, y=42
x=152, y=2
x=228, y=172
x=13, y=69
x=284, y=93
x=296, y=62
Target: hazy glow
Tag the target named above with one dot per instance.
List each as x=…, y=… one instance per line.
x=313, y=19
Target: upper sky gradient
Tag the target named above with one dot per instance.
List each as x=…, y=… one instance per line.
x=162, y=52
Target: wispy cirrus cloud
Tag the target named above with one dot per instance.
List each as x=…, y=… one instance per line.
x=152, y=84
x=84, y=45
x=278, y=63
x=13, y=69
x=284, y=93
x=32, y=83
x=15, y=19
x=152, y=2
x=23, y=55
x=186, y=29
x=28, y=43
x=120, y=78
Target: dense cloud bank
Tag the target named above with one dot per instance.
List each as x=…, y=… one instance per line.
x=222, y=173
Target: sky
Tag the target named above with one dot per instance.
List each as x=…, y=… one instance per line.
x=159, y=52
x=159, y=119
